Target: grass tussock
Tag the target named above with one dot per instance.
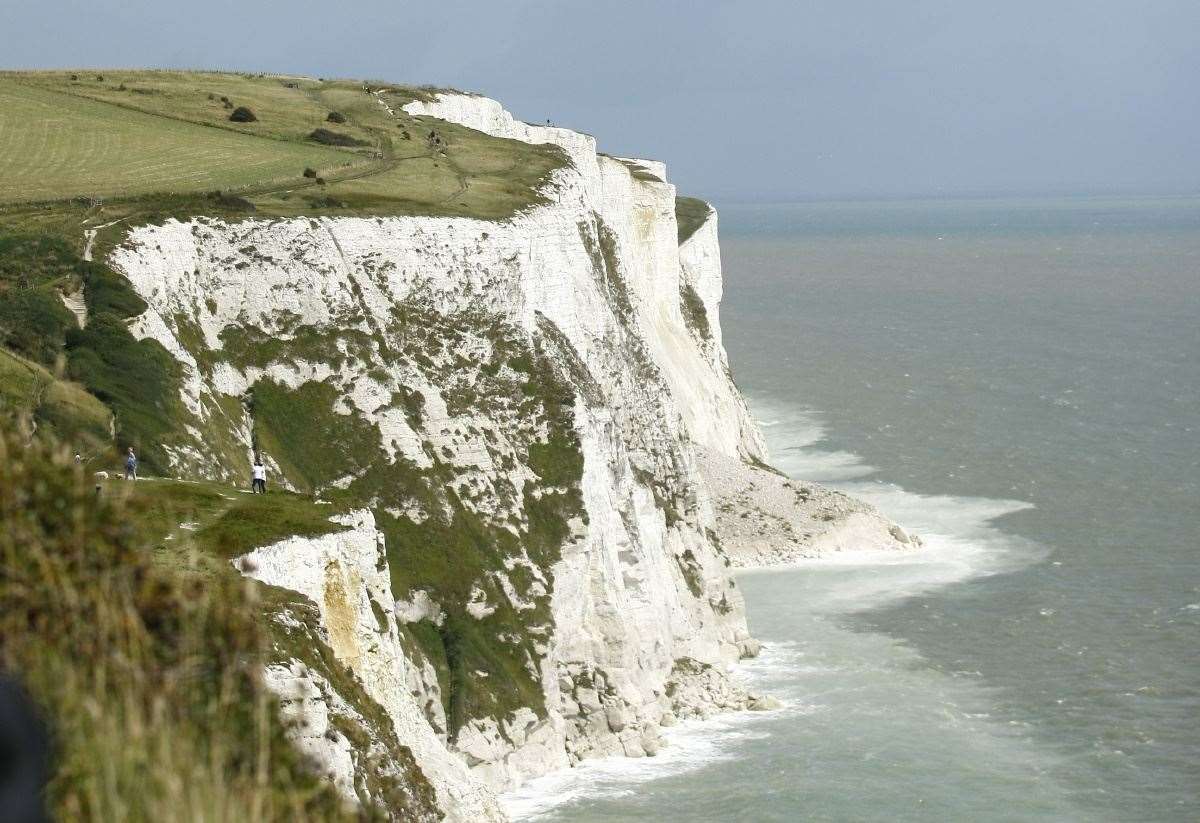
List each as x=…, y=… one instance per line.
x=147, y=672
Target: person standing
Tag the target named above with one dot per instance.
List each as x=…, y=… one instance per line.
x=258, y=476
x=131, y=464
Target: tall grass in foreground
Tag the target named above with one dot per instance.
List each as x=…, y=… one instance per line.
x=146, y=672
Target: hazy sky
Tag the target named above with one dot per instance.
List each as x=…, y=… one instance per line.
x=750, y=100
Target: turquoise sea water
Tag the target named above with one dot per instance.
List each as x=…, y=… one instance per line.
x=1019, y=381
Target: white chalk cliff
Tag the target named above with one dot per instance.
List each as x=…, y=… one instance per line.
x=634, y=620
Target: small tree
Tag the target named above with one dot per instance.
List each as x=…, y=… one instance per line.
x=242, y=115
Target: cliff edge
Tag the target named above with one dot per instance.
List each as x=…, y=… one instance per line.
x=519, y=409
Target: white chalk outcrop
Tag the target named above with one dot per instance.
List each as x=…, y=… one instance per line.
x=644, y=618
x=346, y=575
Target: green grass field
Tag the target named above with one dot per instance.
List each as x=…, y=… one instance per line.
x=55, y=146
x=151, y=143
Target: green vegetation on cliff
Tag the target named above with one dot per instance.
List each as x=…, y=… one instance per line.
x=690, y=214
x=136, y=379
x=53, y=407
x=144, y=652
x=694, y=313
x=437, y=539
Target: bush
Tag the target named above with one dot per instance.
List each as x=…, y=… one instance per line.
x=34, y=323
x=336, y=117
x=326, y=203
x=335, y=138
x=242, y=115
x=310, y=173
x=231, y=202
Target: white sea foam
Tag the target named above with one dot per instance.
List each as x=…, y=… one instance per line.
x=690, y=745
x=961, y=542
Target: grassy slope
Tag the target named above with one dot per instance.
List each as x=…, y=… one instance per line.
x=55, y=145
x=224, y=522
x=28, y=391
x=639, y=171
x=690, y=214
x=150, y=142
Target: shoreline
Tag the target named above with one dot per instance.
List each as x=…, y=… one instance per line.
x=964, y=544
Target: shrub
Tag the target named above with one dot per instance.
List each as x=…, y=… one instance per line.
x=335, y=138
x=326, y=203
x=336, y=117
x=242, y=115
x=34, y=323
x=231, y=201
x=28, y=260
x=310, y=173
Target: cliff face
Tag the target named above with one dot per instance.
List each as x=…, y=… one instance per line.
x=517, y=407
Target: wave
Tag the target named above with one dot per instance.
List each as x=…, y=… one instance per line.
x=961, y=542
x=692, y=745
x=960, y=535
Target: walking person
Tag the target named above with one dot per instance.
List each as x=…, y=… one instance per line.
x=258, y=474
x=131, y=465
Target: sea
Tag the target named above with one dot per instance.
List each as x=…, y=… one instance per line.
x=1018, y=381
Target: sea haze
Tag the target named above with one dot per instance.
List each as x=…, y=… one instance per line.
x=1019, y=381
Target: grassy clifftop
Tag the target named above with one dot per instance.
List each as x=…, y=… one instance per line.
x=150, y=143
x=690, y=214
